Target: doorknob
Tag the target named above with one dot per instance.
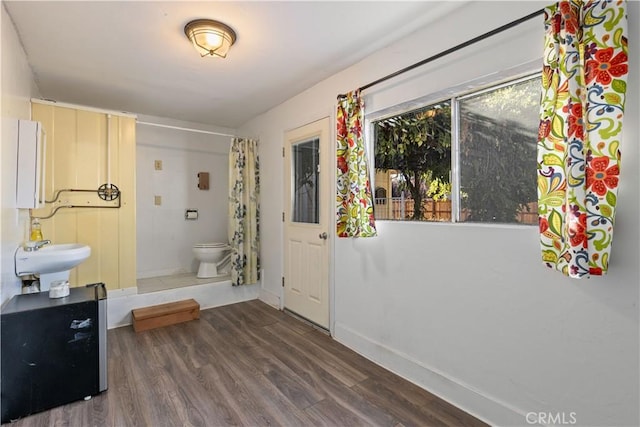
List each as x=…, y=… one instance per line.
x=323, y=236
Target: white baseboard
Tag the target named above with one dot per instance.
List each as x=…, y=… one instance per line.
x=486, y=408
x=269, y=298
x=119, y=305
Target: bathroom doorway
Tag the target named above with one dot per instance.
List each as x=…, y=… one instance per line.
x=173, y=214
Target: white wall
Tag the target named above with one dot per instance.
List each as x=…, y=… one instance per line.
x=164, y=237
x=468, y=311
x=18, y=87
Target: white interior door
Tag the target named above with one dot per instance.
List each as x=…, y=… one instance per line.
x=306, y=247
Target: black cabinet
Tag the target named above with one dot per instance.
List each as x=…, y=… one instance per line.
x=53, y=350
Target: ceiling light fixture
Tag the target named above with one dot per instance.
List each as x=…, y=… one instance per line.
x=209, y=37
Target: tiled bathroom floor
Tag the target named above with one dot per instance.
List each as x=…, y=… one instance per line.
x=162, y=283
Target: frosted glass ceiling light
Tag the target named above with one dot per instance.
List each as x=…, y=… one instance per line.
x=210, y=38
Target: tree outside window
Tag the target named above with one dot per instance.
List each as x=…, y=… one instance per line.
x=416, y=148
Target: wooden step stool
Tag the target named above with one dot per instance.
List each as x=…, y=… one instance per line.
x=165, y=314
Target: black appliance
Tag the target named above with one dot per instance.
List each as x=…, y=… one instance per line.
x=54, y=351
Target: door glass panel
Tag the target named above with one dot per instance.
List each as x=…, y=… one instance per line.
x=305, y=166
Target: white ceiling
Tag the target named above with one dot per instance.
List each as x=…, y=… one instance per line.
x=133, y=55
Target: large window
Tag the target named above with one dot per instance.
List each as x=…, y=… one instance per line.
x=495, y=135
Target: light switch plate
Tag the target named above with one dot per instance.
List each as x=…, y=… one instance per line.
x=157, y=200
x=158, y=165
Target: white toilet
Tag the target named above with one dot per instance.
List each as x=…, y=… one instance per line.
x=213, y=257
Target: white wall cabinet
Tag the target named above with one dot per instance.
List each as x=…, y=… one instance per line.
x=30, y=174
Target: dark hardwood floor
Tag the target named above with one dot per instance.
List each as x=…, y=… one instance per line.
x=251, y=365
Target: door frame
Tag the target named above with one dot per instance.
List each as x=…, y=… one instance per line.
x=330, y=208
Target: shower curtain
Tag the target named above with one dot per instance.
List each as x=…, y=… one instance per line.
x=244, y=211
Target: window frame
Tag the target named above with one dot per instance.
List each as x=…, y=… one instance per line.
x=453, y=96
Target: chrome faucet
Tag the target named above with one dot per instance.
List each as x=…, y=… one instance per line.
x=34, y=245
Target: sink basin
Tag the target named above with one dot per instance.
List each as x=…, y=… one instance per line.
x=51, y=262
x=51, y=258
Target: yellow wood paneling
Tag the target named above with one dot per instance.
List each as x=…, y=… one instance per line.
x=77, y=158
x=127, y=230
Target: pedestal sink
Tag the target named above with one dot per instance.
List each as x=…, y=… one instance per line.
x=50, y=262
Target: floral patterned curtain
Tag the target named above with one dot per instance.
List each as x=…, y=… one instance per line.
x=244, y=211
x=354, y=210
x=584, y=86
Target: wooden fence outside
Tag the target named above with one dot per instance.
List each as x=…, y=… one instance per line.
x=402, y=209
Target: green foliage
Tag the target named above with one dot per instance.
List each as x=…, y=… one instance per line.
x=439, y=190
x=417, y=145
